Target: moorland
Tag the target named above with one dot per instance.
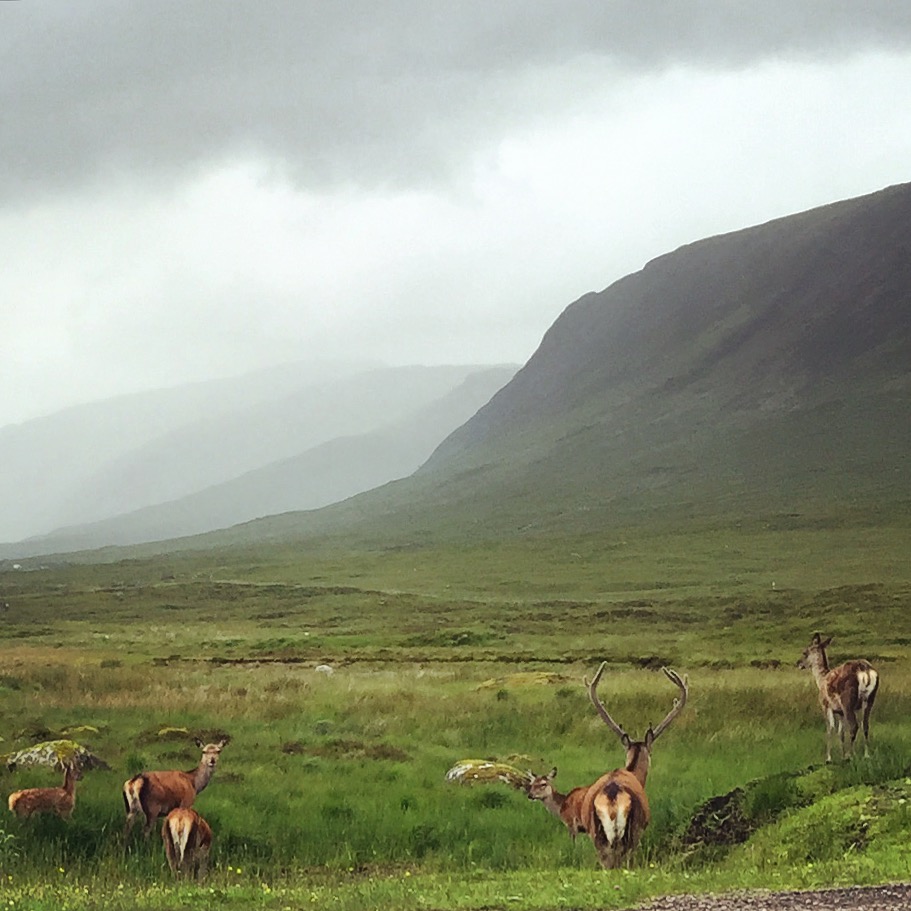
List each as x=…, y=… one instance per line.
x=332, y=791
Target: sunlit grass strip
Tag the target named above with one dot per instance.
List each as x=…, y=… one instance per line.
x=404, y=890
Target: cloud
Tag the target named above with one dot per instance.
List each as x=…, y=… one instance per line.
x=398, y=94
x=196, y=189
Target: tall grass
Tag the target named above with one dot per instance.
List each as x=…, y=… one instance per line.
x=337, y=782
x=348, y=771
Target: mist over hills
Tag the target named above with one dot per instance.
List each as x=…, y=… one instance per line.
x=759, y=374
x=46, y=459
x=326, y=473
x=95, y=463
x=773, y=362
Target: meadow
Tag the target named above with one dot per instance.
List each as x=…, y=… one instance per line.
x=332, y=792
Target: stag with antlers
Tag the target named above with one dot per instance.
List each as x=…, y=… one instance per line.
x=155, y=794
x=845, y=692
x=614, y=811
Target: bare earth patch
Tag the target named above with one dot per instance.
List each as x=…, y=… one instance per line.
x=868, y=898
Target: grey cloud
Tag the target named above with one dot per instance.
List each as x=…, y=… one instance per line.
x=357, y=92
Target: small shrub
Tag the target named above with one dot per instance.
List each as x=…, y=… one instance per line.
x=135, y=763
x=423, y=839
x=492, y=800
x=767, y=798
x=338, y=810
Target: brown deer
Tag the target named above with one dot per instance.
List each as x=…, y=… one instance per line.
x=187, y=839
x=566, y=807
x=845, y=692
x=155, y=794
x=615, y=810
x=61, y=801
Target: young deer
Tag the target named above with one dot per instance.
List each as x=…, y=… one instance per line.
x=615, y=810
x=845, y=692
x=566, y=807
x=155, y=794
x=61, y=801
x=187, y=839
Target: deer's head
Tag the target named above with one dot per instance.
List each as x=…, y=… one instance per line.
x=638, y=751
x=814, y=655
x=541, y=787
x=211, y=751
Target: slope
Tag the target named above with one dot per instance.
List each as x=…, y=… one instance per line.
x=761, y=372
x=331, y=471
x=101, y=461
x=46, y=459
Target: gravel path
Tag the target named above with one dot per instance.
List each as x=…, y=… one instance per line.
x=869, y=898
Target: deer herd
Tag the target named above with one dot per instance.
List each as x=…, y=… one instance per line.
x=613, y=811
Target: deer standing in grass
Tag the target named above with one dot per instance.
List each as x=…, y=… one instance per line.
x=187, y=839
x=613, y=811
x=845, y=692
x=155, y=794
x=61, y=800
x=566, y=807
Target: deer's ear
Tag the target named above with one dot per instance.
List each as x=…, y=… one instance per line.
x=552, y=773
x=825, y=642
x=198, y=742
x=816, y=639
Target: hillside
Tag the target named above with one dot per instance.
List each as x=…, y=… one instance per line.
x=772, y=364
x=326, y=473
x=107, y=459
x=745, y=376
x=758, y=376
x=50, y=460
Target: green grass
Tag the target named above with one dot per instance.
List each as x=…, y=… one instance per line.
x=331, y=792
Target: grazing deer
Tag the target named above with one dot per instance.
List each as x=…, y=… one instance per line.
x=615, y=810
x=845, y=692
x=155, y=794
x=187, y=839
x=61, y=801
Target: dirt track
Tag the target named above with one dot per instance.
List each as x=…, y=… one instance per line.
x=871, y=898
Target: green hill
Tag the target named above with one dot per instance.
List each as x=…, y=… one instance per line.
x=756, y=374
x=761, y=376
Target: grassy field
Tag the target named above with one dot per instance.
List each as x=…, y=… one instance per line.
x=331, y=792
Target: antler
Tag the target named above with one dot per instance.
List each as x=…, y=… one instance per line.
x=674, y=677
x=596, y=702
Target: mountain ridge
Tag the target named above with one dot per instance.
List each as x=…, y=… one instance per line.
x=331, y=471
x=760, y=373
x=96, y=462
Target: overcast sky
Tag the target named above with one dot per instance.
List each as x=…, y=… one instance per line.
x=196, y=188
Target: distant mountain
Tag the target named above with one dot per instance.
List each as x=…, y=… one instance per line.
x=757, y=376
x=761, y=373
x=45, y=460
x=99, y=461
x=326, y=473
